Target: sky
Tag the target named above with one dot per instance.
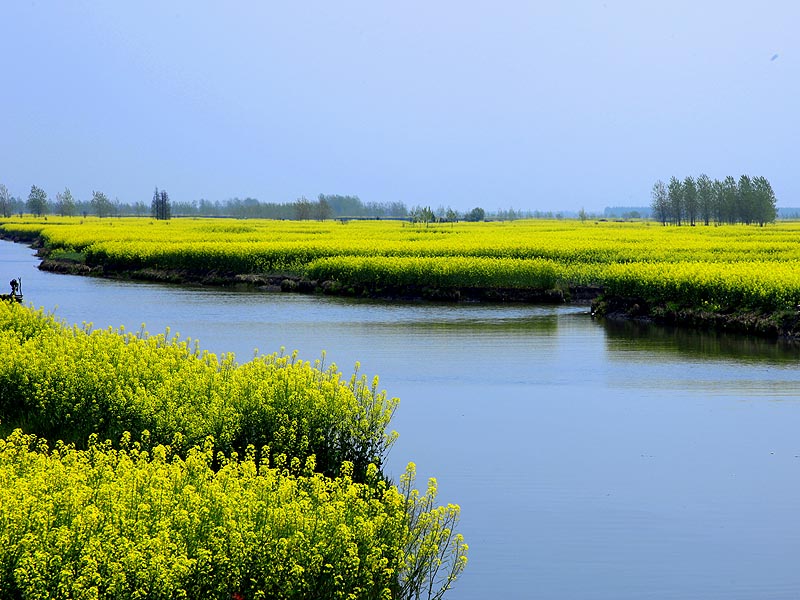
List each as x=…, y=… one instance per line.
x=557, y=105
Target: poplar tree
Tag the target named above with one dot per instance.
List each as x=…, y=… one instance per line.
x=764, y=210
x=101, y=204
x=65, y=203
x=660, y=202
x=160, y=208
x=690, y=199
x=675, y=200
x=37, y=201
x=745, y=200
x=729, y=200
x=5, y=201
x=705, y=198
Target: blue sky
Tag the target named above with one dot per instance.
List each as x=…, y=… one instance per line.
x=548, y=106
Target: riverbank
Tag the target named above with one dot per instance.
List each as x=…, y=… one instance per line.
x=661, y=408
x=736, y=279
x=769, y=324
x=296, y=283
x=777, y=324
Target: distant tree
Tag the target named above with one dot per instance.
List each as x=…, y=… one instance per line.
x=187, y=208
x=764, y=210
x=705, y=198
x=344, y=206
x=745, y=200
x=675, y=200
x=101, y=205
x=397, y=209
x=160, y=208
x=690, y=199
x=303, y=209
x=583, y=215
x=660, y=202
x=65, y=203
x=717, y=193
x=451, y=215
x=422, y=214
x=166, y=207
x=476, y=214
x=208, y=208
x=729, y=200
x=6, y=202
x=37, y=201
x=322, y=210
x=139, y=208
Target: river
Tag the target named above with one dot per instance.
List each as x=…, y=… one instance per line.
x=591, y=461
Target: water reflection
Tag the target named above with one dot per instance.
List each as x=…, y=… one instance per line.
x=631, y=336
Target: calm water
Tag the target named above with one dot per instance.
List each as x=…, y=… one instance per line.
x=591, y=461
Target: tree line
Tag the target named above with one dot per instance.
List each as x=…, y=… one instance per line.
x=326, y=206
x=39, y=204
x=749, y=200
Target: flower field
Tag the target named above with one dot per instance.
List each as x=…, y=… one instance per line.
x=174, y=473
x=729, y=267
x=139, y=466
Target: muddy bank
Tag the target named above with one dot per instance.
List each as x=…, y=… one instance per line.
x=783, y=324
x=294, y=283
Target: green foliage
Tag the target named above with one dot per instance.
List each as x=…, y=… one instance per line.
x=476, y=214
x=65, y=203
x=6, y=202
x=37, y=201
x=101, y=205
x=147, y=522
x=161, y=207
x=258, y=480
x=68, y=383
x=750, y=200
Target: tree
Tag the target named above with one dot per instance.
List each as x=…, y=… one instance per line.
x=322, y=210
x=37, y=201
x=729, y=200
x=476, y=214
x=65, y=203
x=303, y=209
x=705, y=198
x=343, y=206
x=422, y=214
x=765, y=201
x=690, y=199
x=5, y=201
x=160, y=208
x=718, y=193
x=101, y=205
x=675, y=200
x=139, y=208
x=745, y=200
x=660, y=202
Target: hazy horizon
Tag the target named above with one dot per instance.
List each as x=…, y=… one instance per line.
x=535, y=106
